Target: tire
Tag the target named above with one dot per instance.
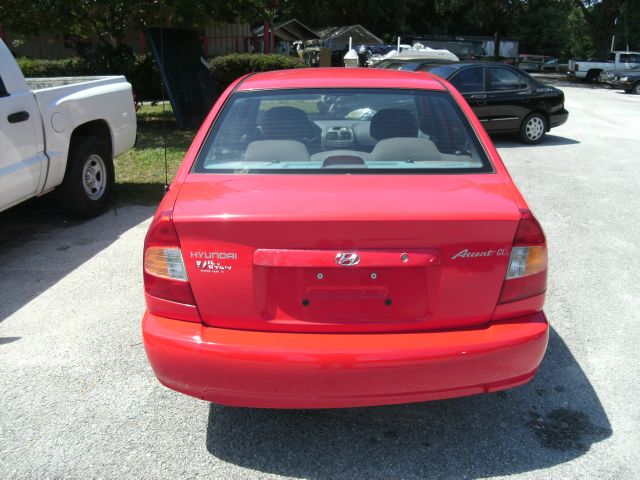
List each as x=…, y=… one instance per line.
x=89, y=180
x=533, y=128
x=592, y=76
x=636, y=88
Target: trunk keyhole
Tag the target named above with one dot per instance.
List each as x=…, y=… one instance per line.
x=387, y=302
x=305, y=302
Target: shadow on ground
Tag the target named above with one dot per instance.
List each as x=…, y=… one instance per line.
x=39, y=246
x=511, y=141
x=553, y=419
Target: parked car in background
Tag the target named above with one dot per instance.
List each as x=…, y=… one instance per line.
x=62, y=134
x=535, y=63
x=628, y=80
x=610, y=76
x=505, y=99
x=310, y=258
x=410, y=63
x=590, y=71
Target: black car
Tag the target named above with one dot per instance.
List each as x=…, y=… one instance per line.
x=504, y=98
x=628, y=80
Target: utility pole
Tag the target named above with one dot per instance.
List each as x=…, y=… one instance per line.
x=613, y=39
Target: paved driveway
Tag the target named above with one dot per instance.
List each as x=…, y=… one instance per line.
x=79, y=400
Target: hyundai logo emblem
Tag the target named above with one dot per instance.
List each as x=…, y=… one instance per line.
x=347, y=259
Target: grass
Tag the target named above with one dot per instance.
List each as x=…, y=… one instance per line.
x=140, y=171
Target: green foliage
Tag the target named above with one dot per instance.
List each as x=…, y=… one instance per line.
x=562, y=28
x=141, y=71
x=543, y=27
x=67, y=67
x=106, y=21
x=145, y=78
x=579, y=43
x=229, y=67
x=140, y=171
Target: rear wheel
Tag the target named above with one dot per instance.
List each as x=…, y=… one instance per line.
x=533, y=128
x=636, y=88
x=592, y=76
x=88, y=181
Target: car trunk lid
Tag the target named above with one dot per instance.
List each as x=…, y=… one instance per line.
x=345, y=253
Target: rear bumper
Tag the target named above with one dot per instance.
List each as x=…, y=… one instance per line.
x=296, y=370
x=558, y=118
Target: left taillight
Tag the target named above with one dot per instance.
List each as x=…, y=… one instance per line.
x=527, y=271
x=165, y=276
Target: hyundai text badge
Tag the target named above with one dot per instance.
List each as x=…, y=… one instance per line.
x=347, y=259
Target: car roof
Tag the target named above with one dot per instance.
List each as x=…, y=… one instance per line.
x=481, y=63
x=411, y=59
x=337, y=77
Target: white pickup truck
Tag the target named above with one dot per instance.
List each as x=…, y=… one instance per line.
x=62, y=135
x=590, y=71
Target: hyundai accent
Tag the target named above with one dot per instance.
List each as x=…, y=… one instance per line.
x=339, y=238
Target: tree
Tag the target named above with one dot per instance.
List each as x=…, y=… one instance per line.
x=107, y=21
x=600, y=16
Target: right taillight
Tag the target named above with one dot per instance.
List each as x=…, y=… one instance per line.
x=527, y=271
x=165, y=277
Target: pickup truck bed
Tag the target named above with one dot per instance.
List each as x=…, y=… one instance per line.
x=590, y=71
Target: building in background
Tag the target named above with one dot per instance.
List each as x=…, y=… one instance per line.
x=282, y=37
x=337, y=38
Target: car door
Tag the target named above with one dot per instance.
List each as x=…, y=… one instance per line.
x=21, y=163
x=470, y=82
x=509, y=98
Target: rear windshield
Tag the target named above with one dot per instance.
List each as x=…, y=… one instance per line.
x=398, y=65
x=341, y=131
x=442, y=71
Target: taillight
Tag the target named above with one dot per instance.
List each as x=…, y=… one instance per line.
x=165, y=275
x=166, y=263
x=527, y=271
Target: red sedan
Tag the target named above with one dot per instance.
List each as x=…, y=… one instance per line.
x=338, y=238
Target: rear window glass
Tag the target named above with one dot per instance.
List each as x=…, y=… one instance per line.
x=341, y=131
x=391, y=65
x=629, y=58
x=503, y=79
x=442, y=71
x=469, y=80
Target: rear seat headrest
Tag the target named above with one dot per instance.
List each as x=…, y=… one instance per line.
x=286, y=123
x=405, y=150
x=393, y=122
x=276, y=151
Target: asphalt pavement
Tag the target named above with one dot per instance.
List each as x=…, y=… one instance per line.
x=79, y=400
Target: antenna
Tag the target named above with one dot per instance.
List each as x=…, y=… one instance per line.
x=164, y=119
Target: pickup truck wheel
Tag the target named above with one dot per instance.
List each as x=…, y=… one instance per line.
x=88, y=181
x=591, y=76
x=533, y=128
x=636, y=88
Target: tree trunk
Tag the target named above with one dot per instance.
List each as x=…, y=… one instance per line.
x=600, y=19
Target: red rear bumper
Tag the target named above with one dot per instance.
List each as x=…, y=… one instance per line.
x=296, y=370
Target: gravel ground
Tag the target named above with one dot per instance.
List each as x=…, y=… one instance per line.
x=79, y=399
